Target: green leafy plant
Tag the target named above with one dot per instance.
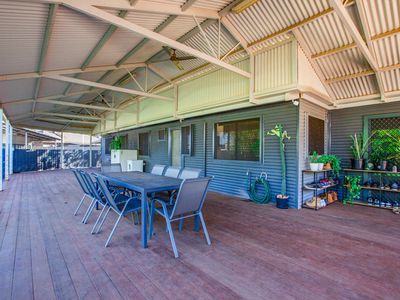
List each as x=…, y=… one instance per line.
x=333, y=160
x=385, y=146
x=282, y=135
x=116, y=143
x=314, y=158
x=353, y=187
x=359, y=146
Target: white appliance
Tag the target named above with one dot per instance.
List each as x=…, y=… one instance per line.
x=122, y=157
x=135, y=165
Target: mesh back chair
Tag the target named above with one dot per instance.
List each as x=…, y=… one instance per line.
x=172, y=172
x=111, y=168
x=120, y=204
x=158, y=170
x=189, y=173
x=189, y=203
x=85, y=190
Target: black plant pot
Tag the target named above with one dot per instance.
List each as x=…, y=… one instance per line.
x=359, y=164
x=282, y=203
x=383, y=165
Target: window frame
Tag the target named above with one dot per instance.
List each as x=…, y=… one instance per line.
x=165, y=135
x=148, y=143
x=191, y=128
x=307, y=131
x=261, y=137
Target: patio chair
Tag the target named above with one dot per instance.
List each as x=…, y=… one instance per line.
x=97, y=197
x=111, y=168
x=85, y=190
x=120, y=204
x=158, y=170
x=172, y=172
x=189, y=203
x=189, y=173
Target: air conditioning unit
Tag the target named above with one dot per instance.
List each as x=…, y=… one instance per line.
x=135, y=165
x=122, y=157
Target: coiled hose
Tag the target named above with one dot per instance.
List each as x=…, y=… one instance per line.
x=260, y=199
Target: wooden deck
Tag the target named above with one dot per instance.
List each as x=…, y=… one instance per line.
x=258, y=252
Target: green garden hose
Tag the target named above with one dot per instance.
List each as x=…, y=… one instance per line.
x=260, y=199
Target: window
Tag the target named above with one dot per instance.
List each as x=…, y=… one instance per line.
x=186, y=140
x=144, y=143
x=107, y=148
x=162, y=135
x=316, y=135
x=237, y=140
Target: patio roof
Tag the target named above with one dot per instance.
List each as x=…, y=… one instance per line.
x=81, y=59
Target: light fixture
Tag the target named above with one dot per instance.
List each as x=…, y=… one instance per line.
x=242, y=5
x=295, y=102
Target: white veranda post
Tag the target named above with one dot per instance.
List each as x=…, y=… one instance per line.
x=11, y=168
x=1, y=149
x=90, y=152
x=7, y=150
x=62, y=151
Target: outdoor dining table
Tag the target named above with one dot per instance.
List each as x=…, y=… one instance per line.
x=143, y=183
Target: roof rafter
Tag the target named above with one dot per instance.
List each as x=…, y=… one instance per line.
x=348, y=23
x=110, y=18
x=188, y=4
x=106, y=87
x=64, y=121
x=45, y=46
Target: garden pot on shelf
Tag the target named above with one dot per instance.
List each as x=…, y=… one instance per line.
x=328, y=167
x=314, y=166
x=383, y=165
x=359, y=164
x=320, y=166
x=282, y=202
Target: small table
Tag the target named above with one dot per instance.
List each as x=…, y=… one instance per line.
x=143, y=183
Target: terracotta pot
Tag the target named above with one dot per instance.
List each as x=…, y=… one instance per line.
x=328, y=166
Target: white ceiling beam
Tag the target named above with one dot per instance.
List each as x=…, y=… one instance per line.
x=348, y=23
x=83, y=7
x=50, y=127
x=64, y=121
x=159, y=73
x=68, y=71
x=145, y=6
x=52, y=97
x=74, y=104
x=71, y=116
x=107, y=87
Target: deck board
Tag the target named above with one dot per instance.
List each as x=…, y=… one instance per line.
x=257, y=252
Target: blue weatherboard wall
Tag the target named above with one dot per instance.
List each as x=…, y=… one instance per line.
x=230, y=176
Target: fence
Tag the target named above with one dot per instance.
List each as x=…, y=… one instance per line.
x=39, y=160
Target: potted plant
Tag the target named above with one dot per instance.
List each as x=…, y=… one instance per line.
x=359, y=149
x=384, y=149
x=353, y=187
x=282, y=200
x=331, y=162
x=116, y=143
x=314, y=162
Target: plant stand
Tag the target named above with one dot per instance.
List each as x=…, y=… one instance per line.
x=384, y=195
x=317, y=190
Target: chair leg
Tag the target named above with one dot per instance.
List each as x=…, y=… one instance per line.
x=151, y=220
x=79, y=205
x=98, y=219
x=204, y=228
x=88, y=211
x=102, y=221
x=113, y=230
x=137, y=217
x=171, y=236
x=180, y=223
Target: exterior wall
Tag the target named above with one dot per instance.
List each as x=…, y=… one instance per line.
x=230, y=176
x=348, y=121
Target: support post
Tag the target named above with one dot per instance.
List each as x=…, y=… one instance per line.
x=1, y=149
x=7, y=150
x=11, y=151
x=62, y=151
x=26, y=140
x=90, y=152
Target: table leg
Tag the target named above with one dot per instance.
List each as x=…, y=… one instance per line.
x=196, y=223
x=144, y=219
